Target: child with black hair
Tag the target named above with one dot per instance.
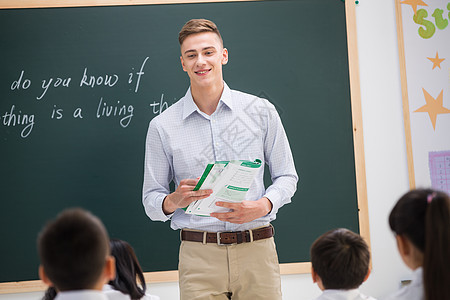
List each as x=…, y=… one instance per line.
x=125, y=285
x=340, y=262
x=75, y=257
x=421, y=223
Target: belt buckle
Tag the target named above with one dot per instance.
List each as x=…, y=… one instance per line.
x=219, y=242
x=218, y=239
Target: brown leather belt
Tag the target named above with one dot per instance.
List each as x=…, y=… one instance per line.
x=227, y=237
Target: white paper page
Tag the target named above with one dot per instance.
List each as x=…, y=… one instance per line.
x=209, y=183
x=232, y=186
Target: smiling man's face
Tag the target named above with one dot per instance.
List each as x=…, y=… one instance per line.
x=202, y=57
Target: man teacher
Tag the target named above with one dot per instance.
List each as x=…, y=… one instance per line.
x=228, y=255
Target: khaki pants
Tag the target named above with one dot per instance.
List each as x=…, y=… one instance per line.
x=246, y=271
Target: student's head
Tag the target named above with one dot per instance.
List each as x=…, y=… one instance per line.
x=74, y=252
x=421, y=222
x=202, y=53
x=340, y=260
x=128, y=270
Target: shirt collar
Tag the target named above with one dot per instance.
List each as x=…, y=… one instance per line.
x=352, y=293
x=81, y=294
x=226, y=96
x=189, y=105
x=417, y=276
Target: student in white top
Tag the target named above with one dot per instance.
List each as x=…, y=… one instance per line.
x=74, y=255
x=340, y=264
x=128, y=271
x=421, y=223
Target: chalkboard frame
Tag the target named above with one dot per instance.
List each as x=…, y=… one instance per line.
x=358, y=142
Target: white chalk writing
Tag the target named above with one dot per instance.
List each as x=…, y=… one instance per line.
x=14, y=118
x=87, y=77
x=106, y=110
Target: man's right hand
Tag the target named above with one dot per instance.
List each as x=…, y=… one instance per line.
x=183, y=196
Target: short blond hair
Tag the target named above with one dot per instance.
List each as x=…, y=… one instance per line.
x=198, y=26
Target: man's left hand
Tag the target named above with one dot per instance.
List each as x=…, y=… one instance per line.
x=244, y=211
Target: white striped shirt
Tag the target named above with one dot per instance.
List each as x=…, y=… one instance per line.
x=183, y=140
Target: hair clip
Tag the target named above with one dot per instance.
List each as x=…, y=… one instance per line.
x=430, y=197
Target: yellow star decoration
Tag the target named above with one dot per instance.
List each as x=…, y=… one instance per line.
x=436, y=61
x=414, y=4
x=433, y=107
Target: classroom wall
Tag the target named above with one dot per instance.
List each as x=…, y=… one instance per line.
x=385, y=155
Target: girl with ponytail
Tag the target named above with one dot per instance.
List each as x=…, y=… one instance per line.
x=421, y=223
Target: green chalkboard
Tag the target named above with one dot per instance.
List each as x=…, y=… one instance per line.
x=79, y=86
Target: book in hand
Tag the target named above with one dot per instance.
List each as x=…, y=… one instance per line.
x=229, y=181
